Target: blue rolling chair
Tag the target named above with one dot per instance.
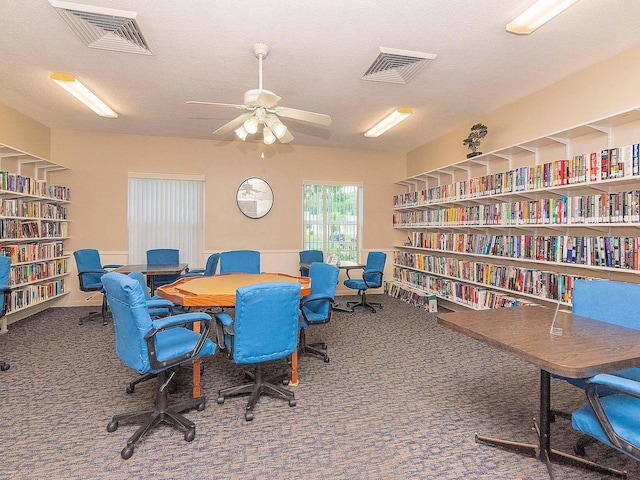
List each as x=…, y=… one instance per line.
x=371, y=278
x=157, y=346
x=310, y=256
x=612, y=415
x=5, y=268
x=317, y=307
x=90, y=271
x=265, y=329
x=208, y=271
x=240, y=261
x=163, y=256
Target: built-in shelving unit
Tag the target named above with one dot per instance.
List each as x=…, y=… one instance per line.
x=33, y=228
x=518, y=225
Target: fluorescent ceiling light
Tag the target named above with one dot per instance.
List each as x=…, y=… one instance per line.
x=82, y=93
x=537, y=15
x=391, y=120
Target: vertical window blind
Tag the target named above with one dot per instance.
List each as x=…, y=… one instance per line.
x=165, y=213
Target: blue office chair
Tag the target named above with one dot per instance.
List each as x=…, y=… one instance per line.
x=240, y=261
x=310, y=256
x=208, y=271
x=612, y=415
x=163, y=256
x=90, y=271
x=371, y=278
x=5, y=269
x=265, y=329
x=317, y=307
x=156, y=346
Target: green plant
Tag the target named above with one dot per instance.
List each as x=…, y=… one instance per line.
x=478, y=132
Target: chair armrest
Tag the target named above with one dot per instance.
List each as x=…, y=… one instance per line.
x=619, y=384
x=4, y=288
x=370, y=272
x=160, y=303
x=174, y=321
x=349, y=269
x=193, y=273
x=101, y=271
x=111, y=266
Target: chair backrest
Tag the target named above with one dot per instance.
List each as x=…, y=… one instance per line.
x=607, y=301
x=163, y=256
x=375, y=261
x=5, y=268
x=131, y=319
x=324, y=279
x=310, y=256
x=212, y=265
x=266, y=321
x=139, y=277
x=87, y=260
x=240, y=261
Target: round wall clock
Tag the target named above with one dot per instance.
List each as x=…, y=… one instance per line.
x=254, y=197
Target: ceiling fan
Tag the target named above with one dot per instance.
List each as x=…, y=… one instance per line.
x=262, y=110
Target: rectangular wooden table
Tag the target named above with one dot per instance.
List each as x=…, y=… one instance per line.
x=220, y=291
x=585, y=348
x=152, y=270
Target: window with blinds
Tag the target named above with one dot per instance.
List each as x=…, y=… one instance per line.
x=166, y=213
x=332, y=219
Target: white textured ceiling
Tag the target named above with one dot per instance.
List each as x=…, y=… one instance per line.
x=319, y=51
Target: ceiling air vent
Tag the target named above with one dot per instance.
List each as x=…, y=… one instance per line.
x=397, y=66
x=103, y=28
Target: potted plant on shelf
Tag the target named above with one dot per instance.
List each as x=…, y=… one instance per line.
x=478, y=132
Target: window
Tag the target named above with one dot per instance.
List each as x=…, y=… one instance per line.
x=332, y=219
x=166, y=212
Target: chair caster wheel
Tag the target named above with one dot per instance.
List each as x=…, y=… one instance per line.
x=248, y=416
x=5, y=366
x=327, y=359
x=112, y=427
x=292, y=402
x=130, y=389
x=127, y=452
x=579, y=450
x=201, y=406
x=220, y=400
x=190, y=435
x=324, y=346
x=285, y=381
x=80, y=322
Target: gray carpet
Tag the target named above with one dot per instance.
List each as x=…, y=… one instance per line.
x=401, y=398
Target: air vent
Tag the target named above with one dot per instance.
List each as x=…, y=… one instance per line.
x=103, y=28
x=397, y=66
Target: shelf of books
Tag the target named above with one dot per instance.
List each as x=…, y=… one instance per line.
x=33, y=228
x=518, y=225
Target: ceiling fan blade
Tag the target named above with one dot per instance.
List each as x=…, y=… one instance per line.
x=286, y=138
x=267, y=99
x=233, y=105
x=232, y=125
x=303, y=115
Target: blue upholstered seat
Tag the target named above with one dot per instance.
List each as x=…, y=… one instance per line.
x=240, y=261
x=309, y=256
x=209, y=269
x=154, y=346
x=5, y=268
x=317, y=307
x=163, y=256
x=90, y=272
x=371, y=278
x=265, y=328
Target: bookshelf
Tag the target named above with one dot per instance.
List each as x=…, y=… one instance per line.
x=33, y=228
x=518, y=225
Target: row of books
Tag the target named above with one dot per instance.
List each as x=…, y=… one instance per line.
x=14, y=207
x=29, y=186
x=10, y=228
x=412, y=296
x=31, y=252
x=622, y=207
x=613, y=163
x=604, y=251
x=539, y=283
x=474, y=296
x=32, y=272
x=32, y=294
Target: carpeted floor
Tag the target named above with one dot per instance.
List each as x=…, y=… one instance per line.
x=401, y=398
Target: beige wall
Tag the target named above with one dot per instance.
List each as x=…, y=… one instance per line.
x=603, y=89
x=22, y=133
x=97, y=176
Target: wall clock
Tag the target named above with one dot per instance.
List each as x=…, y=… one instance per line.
x=254, y=197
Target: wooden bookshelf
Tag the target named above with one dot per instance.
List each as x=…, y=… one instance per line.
x=33, y=228
x=518, y=225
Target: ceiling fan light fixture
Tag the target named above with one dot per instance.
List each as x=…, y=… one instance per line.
x=390, y=121
x=241, y=133
x=537, y=15
x=72, y=85
x=268, y=135
x=251, y=125
x=279, y=129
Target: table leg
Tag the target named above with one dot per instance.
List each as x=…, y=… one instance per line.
x=294, y=369
x=196, y=367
